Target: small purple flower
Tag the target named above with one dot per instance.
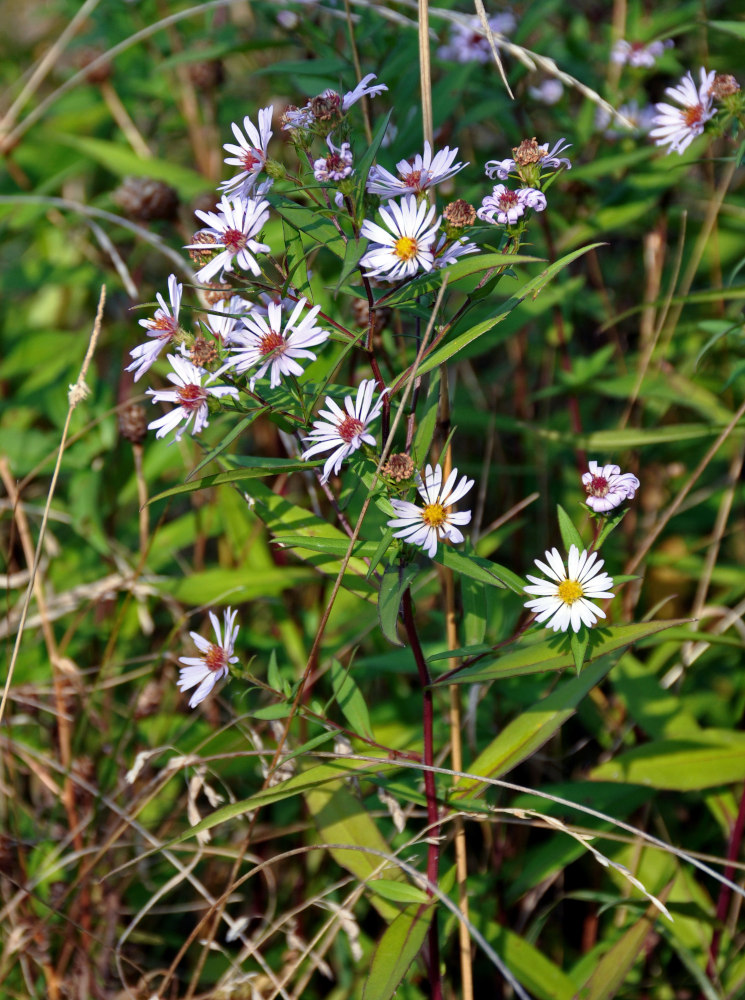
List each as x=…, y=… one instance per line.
x=504, y=207
x=607, y=487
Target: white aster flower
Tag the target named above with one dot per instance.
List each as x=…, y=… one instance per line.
x=265, y=342
x=607, y=487
x=163, y=328
x=363, y=89
x=457, y=248
x=530, y=154
x=562, y=600
x=233, y=228
x=249, y=154
x=641, y=120
x=468, y=43
x=191, y=396
x=504, y=207
x=206, y=670
x=337, y=165
x=224, y=318
x=415, y=176
x=678, y=127
x=425, y=526
x=638, y=53
x=407, y=248
x=344, y=430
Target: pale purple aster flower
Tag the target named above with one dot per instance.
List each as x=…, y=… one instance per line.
x=336, y=165
x=504, y=207
x=641, y=120
x=233, y=227
x=539, y=154
x=468, y=43
x=265, y=342
x=564, y=599
x=638, y=54
x=425, y=526
x=549, y=91
x=214, y=663
x=607, y=487
x=457, y=248
x=678, y=127
x=407, y=247
x=415, y=176
x=363, y=89
x=162, y=328
x=190, y=395
x=344, y=430
x=249, y=154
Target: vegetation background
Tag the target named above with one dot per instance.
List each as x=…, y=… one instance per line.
x=633, y=353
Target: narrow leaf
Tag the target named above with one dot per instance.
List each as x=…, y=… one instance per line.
x=396, y=950
x=350, y=699
x=569, y=534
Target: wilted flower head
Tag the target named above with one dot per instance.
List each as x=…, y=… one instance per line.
x=678, y=127
x=425, y=526
x=328, y=108
x=206, y=670
x=529, y=160
x=607, y=487
x=564, y=599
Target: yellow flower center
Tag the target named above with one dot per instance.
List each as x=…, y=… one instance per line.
x=405, y=247
x=434, y=515
x=569, y=591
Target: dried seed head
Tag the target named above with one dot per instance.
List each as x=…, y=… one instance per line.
x=203, y=353
x=207, y=74
x=83, y=58
x=460, y=213
x=217, y=291
x=399, y=468
x=326, y=106
x=145, y=199
x=724, y=86
x=133, y=423
x=528, y=152
x=202, y=257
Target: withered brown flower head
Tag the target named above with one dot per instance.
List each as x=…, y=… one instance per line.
x=325, y=107
x=460, y=213
x=724, y=86
x=133, y=423
x=217, y=291
x=203, y=352
x=201, y=257
x=399, y=467
x=528, y=152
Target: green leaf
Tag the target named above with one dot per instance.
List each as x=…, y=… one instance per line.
x=531, y=288
x=705, y=760
x=530, y=966
x=555, y=654
x=331, y=546
x=350, y=699
x=475, y=609
x=610, y=971
x=235, y=432
x=530, y=730
x=475, y=567
x=400, y=892
x=569, y=534
x=736, y=28
x=580, y=641
x=342, y=819
x=297, y=269
x=396, y=950
x=260, y=467
x=612, y=520
x=313, y=224
x=395, y=581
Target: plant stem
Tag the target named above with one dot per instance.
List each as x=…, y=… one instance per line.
x=725, y=892
x=430, y=790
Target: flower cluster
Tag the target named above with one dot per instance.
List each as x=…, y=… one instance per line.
x=639, y=54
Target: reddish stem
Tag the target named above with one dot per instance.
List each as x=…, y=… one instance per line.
x=725, y=892
x=430, y=789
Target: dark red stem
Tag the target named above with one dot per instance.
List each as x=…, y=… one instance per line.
x=430, y=789
x=725, y=892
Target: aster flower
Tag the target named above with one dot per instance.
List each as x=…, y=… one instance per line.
x=607, y=487
x=457, y=249
x=163, y=328
x=190, y=394
x=265, y=342
x=363, y=89
x=249, y=154
x=468, y=43
x=329, y=106
x=549, y=91
x=564, y=599
x=344, y=430
x=233, y=228
x=641, y=120
x=678, y=127
x=206, y=670
x=638, y=53
x=407, y=248
x=337, y=165
x=425, y=526
x=529, y=154
x=413, y=178
x=225, y=317
x=504, y=207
